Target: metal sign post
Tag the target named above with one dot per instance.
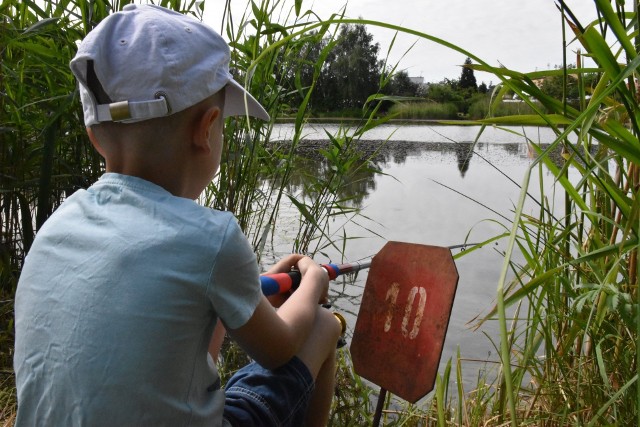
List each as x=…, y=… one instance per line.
x=403, y=319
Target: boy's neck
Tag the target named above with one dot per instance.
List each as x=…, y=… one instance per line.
x=167, y=174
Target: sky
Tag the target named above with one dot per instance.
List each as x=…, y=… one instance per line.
x=524, y=35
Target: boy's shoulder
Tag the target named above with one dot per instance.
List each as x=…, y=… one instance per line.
x=133, y=204
x=148, y=196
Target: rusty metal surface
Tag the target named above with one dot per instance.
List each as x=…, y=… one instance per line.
x=403, y=318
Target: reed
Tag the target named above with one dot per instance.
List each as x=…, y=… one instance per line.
x=482, y=108
x=424, y=110
x=569, y=356
x=44, y=154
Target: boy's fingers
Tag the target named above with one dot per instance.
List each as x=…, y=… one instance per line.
x=285, y=264
x=304, y=263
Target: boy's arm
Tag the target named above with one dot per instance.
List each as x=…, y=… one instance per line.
x=272, y=337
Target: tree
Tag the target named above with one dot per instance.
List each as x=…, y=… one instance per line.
x=467, y=79
x=401, y=85
x=300, y=65
x=444, y=92
x=351, y=72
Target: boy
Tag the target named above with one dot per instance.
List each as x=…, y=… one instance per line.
x=124, y=285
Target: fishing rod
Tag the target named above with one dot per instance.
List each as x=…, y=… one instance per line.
x=279, y=283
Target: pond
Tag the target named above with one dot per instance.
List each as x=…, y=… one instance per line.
x=437, y=188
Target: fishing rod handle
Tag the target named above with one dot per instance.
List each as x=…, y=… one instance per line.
x=280, y=283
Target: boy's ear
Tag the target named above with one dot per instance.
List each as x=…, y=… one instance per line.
x=204, y=126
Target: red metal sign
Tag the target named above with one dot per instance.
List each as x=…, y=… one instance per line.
x=403, y=318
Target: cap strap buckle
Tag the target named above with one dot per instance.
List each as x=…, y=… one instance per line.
x=120, y=111
x=124, y=111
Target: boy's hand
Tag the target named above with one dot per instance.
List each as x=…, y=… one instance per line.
x=313, y=274
x=272, y=338
x=310, y=271
x=283, y=266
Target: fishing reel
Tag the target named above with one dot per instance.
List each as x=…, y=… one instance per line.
x=343, y=329
x=343, y=326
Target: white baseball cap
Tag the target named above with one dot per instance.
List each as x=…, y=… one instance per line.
x=147, y=61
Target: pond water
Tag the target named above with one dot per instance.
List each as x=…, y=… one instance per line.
x=436, y=190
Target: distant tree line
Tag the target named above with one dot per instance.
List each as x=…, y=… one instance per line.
x=345, y=70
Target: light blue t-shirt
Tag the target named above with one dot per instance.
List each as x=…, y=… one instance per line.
x=116, y=305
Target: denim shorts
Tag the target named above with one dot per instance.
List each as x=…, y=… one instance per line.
x=256, y=396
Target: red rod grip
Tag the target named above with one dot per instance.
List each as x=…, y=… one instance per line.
x=280, y=283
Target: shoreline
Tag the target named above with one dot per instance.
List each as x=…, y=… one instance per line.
x=461, y=122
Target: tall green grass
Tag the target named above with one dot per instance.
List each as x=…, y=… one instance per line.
x=578, y=339
x=569, y=320
x=483, y=108
x=479, y=109
x=424, y=110
x=271, y=42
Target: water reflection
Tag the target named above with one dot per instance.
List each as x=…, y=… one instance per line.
x=464, y=152
x=353, y=189
x=376, y=155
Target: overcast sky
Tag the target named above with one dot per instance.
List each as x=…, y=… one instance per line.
x=524, y=35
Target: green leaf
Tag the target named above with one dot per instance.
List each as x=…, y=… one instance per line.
x=598, y=48
x=604, y=7
x=42, y=24
x=37, y=48
x=528, y=120
x=626, y=144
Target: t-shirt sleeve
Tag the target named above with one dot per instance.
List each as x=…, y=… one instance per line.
x=234, y=288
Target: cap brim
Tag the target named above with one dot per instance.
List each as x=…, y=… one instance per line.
x=239, y=102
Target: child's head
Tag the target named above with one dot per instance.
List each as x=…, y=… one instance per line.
x=148, y=73
x=147, y=61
